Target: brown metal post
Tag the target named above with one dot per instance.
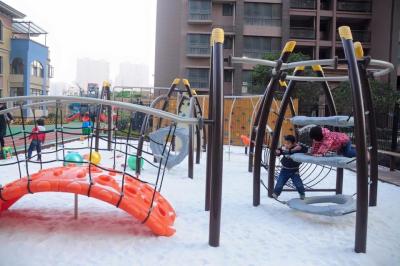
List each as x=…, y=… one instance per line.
x=263, y=121
x=109, y=118
x=361, y=142
x=369, y=107
x=218, y=137
x=209, y=133
x=286, y=101
x=339, y=181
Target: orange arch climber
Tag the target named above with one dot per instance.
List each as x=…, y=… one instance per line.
x=74, y=179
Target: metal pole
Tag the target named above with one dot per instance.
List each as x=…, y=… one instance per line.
x=75, y=206
x=209, y=132
x=109, y=117
x=263, y=122
x=361, y=142
x=218, y=137
x=286, y=101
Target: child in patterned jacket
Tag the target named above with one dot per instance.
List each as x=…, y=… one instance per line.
x=325, y=141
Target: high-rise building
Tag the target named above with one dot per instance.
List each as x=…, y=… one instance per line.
x=133, y=75
x=255, y=27
x=91, y=71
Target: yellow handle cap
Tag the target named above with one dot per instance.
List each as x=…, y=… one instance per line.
x=176, y=81
x=217, y=35
x=298, y=68
x=186, y=82
x=345, y=33
x=358, y=50
x=289, y=46
x=283, y=83
x=317, y=68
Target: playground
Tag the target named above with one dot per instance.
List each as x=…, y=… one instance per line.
x=41, y=228
x=176, y=173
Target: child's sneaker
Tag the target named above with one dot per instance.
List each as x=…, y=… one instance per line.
x=302, y=196
x=275, y=196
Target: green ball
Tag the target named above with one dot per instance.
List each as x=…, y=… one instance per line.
x=132, y=162
x=73, y=157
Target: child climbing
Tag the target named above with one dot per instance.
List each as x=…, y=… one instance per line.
x=38, y=137
x=325, y=141
x=290, y=168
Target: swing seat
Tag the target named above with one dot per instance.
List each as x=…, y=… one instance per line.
x=344, y=204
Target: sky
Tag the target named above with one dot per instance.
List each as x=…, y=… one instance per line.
x=116, y=31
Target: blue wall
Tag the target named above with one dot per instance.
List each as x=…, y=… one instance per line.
x=30, y=51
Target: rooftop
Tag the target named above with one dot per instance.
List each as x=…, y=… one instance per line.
x=12, y=12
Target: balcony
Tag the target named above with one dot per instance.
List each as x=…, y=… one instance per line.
x=354, y=6
x=200, y=51
x=303, y=4
x=202, y=18
x=263, y=21
x=258, y=53
x=363, y=36
x=302, y=33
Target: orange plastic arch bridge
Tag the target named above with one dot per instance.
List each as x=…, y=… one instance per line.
x=136, y=200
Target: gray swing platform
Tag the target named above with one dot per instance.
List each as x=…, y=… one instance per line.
x=335, y=121
x=344, y=204
x=334, y=161
x=157, y=140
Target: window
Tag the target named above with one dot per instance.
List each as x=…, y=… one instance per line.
x=227, y=75
x=200, y=9
x=262, y=14
x=256, y=47
x=1, y=30
x=227, y=9
x=37, y=69
x=198, y=77
x=228, y=43
x=17, y=66
x=198, y=44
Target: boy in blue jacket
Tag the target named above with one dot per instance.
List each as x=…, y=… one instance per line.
x=290, y=168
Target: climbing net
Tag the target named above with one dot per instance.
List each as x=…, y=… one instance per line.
x=61, y=129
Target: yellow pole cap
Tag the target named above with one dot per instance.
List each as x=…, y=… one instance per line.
x=282, y=83
x=176, y=81
x=317, y=68
x=289, y=46
x=186, y=82
x=106, y=84
x=358, y=50
x=194, y=92
x=345, y=32
x=217, y=35
x=298, y=68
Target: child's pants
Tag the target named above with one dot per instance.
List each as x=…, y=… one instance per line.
x=35, y=144
x=284, y=176
x=348, y=150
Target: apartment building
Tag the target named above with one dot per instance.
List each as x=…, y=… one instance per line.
x=24, y=56
x=255, y=27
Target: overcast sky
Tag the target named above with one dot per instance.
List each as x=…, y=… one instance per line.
x=116, y=31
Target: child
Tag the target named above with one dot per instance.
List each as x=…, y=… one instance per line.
x=3, y=126
x=325, y=141
x=290, y=168
x=86, y=124
x=37, y=138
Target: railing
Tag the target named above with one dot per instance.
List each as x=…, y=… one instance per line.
x=303, y=4
x=257, y=53
x=262, y=21
x=359, y=35
x=193, y=50
x=200, y=16
x=302, y=33
x=354, y=6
